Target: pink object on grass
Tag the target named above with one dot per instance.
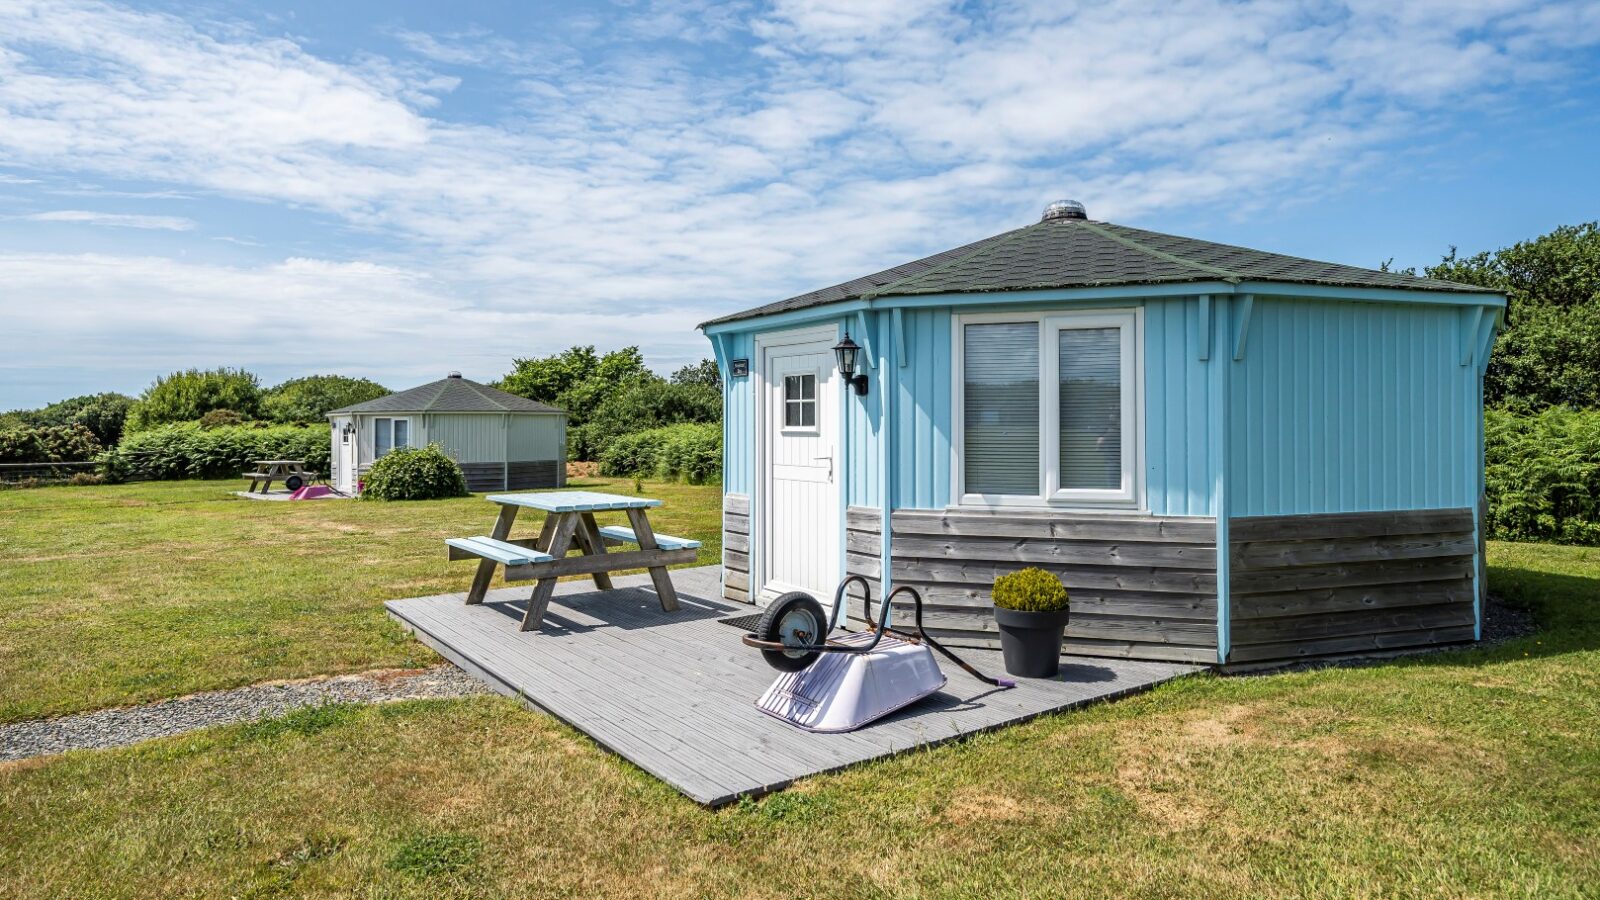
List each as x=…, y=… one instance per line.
x=312, y=492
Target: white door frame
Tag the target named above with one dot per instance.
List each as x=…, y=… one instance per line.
x=758, y=494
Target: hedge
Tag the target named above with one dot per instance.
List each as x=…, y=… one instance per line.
x=48, y=443
x=1542, y=475
x=685, y=452
x=186, y=450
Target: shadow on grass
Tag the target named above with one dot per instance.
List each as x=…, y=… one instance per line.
x=1566, y=608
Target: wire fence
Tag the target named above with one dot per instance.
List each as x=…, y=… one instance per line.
x=44, y=472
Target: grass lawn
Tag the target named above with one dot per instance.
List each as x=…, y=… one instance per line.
x=128, y=593
x=1471, y=773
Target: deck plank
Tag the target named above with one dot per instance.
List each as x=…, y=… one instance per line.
x=674, y=693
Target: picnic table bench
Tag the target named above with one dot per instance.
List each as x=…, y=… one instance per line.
x=270, y=470
x=569, y=520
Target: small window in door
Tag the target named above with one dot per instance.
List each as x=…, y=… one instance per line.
x=800, y=401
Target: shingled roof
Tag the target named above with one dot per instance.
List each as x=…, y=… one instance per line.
x=449, y=395
x=1074, y=253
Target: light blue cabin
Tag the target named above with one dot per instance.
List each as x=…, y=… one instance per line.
x=1227, y=455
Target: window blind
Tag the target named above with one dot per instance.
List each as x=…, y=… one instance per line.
x=1091, y=408
x=1000, y=399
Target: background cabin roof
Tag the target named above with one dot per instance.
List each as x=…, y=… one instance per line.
x=448, y=395
x=1072, y=253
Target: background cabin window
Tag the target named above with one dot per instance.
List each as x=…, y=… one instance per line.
x=799, y=401
x=1000, y=400
x=388, y=434
x=1047, y=409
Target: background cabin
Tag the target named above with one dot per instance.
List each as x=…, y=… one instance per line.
x=502, y=441
x=1227, y=455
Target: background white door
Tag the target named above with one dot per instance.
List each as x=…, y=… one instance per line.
x=801, y=421
x=346, y=461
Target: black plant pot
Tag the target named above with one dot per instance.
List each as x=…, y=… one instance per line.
x=1031, y=641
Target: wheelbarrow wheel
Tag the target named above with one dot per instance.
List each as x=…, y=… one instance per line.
x=294, y=482
x=796, y=620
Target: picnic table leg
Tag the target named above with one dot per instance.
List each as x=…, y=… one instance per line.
x=560, y=543
x=592, y=544
x=665, y=592
x=502, y=530
x=542, y=543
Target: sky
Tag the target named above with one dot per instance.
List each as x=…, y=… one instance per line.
x=395, y=189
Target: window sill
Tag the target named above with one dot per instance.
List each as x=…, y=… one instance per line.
x=1030, y=504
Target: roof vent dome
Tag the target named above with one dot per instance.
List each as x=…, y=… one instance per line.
x=1064, y=209
x=454, y=375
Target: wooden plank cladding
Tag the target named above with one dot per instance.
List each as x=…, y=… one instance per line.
x=1141, y=586
x=515, y=476
x=736, y=547
x=1348, y=583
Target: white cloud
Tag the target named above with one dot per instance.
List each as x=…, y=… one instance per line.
x=630, y=182
x=117, y=220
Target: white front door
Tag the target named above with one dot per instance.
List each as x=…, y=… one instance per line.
x=800, y=405
x=345, y=463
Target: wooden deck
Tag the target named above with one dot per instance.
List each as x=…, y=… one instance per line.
x=674, y=693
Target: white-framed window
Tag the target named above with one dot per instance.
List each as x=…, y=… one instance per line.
x=388, y=434
x=1047, y=408
x=800, y=401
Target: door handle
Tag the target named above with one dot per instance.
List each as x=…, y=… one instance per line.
x=829, y=458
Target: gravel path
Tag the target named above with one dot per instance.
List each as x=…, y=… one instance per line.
x=129, y=725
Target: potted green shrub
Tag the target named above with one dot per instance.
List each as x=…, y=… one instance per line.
x=1030, y=606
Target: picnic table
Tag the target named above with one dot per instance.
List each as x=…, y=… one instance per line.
x=270, y=470
x=568, y=521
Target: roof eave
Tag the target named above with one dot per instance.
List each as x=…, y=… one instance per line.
x=1464, y=295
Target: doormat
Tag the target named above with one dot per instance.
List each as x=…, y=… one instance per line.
x=743, y=623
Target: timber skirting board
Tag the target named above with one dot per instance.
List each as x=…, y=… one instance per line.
x=1349, y=583
x=1141, y=586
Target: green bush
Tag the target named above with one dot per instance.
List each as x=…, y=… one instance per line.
x=414, y=473
x=687, y=452
x=221, y=418
x=1542, y=475
x=103, y=414
x=186, y=396
x=641, y=406
x=48, y=443
x=1030, y=590
x=310, y=399
x=186, y=450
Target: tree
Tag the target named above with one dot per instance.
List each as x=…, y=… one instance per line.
x=103, y=414
x=188, y=395
x=703, y=372
x=1549, y=353
x=546, y=378
x=649, y=404
x=576, y=380
x=311, y=398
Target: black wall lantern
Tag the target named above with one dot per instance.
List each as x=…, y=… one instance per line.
x=847, y=352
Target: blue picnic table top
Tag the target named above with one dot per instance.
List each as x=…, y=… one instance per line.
x=572, y=501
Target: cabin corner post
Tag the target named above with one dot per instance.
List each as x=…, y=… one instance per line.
x=890, y=382
x=1220, y=361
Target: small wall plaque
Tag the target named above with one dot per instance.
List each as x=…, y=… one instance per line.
x=739, y=368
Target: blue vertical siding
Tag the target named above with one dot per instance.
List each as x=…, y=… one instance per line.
x=1178, y=464
x=863, y=420
x=922, y=412
x=1351, y=407
x=1337, y=407
x=738, y=434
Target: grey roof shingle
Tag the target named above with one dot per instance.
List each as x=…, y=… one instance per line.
x=1067, y=253
x=453, y=394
